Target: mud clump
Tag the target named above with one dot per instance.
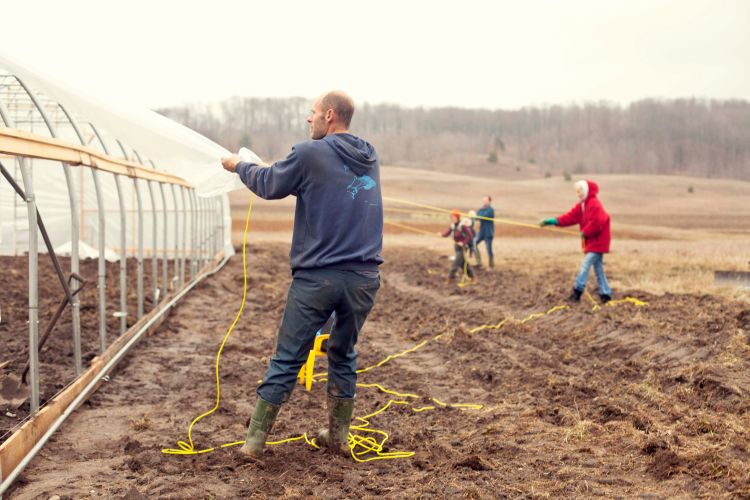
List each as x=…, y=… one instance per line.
x=473, y=462
x=665, y=464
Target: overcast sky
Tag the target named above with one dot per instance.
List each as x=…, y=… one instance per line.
x=495, y=54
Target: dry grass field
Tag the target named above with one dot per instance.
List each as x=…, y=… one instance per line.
x=665, y=238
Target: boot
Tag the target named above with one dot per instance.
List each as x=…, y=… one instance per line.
x=336, y=437
x=260, y=425
x=575, y=296
x=492, y=262
x=605, y=298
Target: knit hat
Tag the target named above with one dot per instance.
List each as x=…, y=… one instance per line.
x=456, y=212
x=584, y=187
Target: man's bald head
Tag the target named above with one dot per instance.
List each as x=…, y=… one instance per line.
x=341, y=104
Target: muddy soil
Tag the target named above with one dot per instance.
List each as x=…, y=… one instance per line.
x=617, y=401
x=57, y=367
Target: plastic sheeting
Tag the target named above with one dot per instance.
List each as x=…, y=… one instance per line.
x=170, y=146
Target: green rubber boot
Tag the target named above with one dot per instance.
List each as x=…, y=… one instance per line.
x=336, y=437
x=260, y=425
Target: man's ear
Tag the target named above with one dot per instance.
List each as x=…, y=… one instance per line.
x=330, y=115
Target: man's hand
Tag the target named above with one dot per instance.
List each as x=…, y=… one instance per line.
x=230, y=163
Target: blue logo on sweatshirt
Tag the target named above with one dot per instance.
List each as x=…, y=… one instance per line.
x=359, y=183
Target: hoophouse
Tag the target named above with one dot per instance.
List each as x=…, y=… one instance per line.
x=135, y=196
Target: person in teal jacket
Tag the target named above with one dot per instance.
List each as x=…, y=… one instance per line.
x=486, y=229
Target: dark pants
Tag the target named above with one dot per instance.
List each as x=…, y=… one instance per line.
x=459, y=262
x=487, y=241
x=312, y=297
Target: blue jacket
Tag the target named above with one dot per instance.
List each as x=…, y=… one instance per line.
x=486, y=227
x=338, y=220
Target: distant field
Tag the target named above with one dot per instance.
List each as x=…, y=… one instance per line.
x=665, y=239
x=649, y=205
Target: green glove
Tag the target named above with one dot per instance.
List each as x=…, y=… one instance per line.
x=552, y=221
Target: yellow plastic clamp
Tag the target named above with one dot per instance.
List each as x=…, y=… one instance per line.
x=306, y=372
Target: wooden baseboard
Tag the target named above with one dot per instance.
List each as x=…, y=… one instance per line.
x=18, y=445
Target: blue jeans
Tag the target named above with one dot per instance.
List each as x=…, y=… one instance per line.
x=597, y=261
x=487, y=241
x=312, y=297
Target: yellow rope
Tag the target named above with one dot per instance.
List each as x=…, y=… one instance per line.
x=531, y=317
x=465, y=280
x=496, y=219
x=359, y=445
x=188, y=448
x=414, y=229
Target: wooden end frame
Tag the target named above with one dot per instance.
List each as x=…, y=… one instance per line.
x=20, y=143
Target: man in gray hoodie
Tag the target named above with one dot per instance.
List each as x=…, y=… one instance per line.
x=335, y=254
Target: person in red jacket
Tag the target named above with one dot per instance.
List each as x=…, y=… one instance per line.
x=594, y=223
x=462, y=238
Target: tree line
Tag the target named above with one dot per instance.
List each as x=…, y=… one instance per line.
x=697, y=137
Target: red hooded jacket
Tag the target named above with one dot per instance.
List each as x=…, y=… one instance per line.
x=593, y=220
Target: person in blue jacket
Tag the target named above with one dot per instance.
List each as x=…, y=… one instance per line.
x=335, y=258
x=486, y=229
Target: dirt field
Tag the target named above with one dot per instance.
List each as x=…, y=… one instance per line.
x=620, y=401
x=57, y=367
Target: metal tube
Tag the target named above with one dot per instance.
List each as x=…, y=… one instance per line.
x=209, y=227
x=74, y=249
x=212, y=212
x=4, y=115
x=33, y=288
x=193, y=266
x=74, y=230
x=154, y=258
x=91, y=386
x=217, y=226
x=33, y=275
x=184, y=236
x=139, y=268
x=206, y=230
x=123, y=313
x=165, y=261
x=201, y=232
x=102, y=263
x=176, y=236
x=74, y=265
x=198, y=234
x=222, y=233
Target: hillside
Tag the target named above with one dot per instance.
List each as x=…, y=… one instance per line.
x=647, y=203
x=702, y=138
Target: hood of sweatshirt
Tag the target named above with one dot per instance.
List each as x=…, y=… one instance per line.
x=593, y=189
x=357, y=154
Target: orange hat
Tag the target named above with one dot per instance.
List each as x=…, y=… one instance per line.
x=455, y=212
